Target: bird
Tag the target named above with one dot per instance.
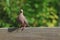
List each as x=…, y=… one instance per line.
x=22, y=20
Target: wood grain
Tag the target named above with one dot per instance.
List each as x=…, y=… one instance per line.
x=30, y=33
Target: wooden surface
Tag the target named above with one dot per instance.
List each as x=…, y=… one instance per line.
x=30, y=34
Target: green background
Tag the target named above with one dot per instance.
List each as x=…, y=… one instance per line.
x=39, y=13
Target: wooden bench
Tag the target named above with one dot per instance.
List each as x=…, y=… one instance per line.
x=30, y=33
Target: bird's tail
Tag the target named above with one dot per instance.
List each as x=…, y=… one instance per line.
x=27, y=25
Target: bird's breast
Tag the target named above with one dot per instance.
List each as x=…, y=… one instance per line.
x=21, y=17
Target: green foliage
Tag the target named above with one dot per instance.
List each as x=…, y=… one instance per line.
x=38, y=12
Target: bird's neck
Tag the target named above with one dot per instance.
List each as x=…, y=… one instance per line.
x=21, y=13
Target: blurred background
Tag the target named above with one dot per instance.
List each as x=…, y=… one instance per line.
x=39, y=13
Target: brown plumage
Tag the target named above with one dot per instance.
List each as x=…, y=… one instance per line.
x=22, y=20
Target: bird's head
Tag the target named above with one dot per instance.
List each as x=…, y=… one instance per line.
x=21, y=11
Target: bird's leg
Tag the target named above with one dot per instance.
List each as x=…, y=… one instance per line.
x=23, y=27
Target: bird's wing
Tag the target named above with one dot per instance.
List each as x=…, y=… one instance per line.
x=26, y=22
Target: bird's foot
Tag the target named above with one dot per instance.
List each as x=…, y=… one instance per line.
x=22, y=28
